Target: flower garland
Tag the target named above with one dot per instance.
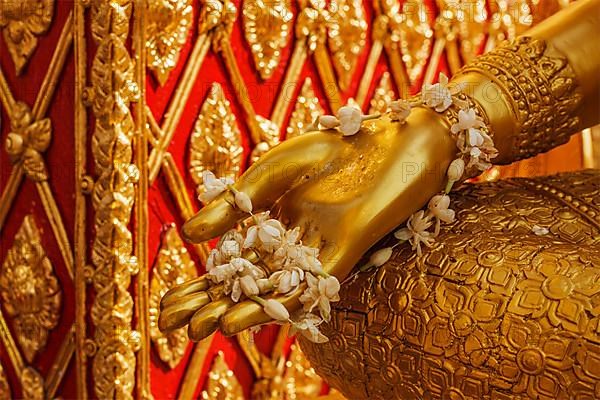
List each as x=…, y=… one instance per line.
x=476, y=149
x=266, y=258
x=473, y=140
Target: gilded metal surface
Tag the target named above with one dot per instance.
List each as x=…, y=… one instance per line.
x=542, y=89
x=267, y=27
x=222, y=383
x=168, y=24
x=5, y=393
x=492, y=311
x=31, y=294
x=306, y=110
x=173, y=266
x=21, y=23
x=112, y=89
x=347, y=35
x=27, y=141
x=383, y=95
x=216, y=142
x=32, y=384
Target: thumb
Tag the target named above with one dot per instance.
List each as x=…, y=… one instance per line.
x=287, y=165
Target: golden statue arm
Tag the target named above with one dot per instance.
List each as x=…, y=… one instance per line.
x=346, y=193
x=544, y=87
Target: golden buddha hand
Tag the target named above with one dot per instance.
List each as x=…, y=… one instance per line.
x=344, y=193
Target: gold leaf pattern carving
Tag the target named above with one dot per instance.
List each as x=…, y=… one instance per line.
x=269, y=134
x=27, y=140
x=509, y=19
x=22, y=21
x=347, y=37
x=112, y=90
x=5, y=393
x=168, y=24
x=306, y=111
x=32, y=384
x=300, y=379
x=30, y=291
x=173, y=267
x=267, y=27
x=415, y=37
x=216, y=143
x=222, y=383
x=383, y=95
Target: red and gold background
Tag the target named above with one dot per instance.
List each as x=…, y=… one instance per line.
x=109, y=112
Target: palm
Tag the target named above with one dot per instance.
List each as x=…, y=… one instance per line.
x=343, y=193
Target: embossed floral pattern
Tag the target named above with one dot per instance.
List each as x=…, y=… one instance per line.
x=30, y=291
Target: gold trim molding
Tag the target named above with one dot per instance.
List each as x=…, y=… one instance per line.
x=113, y=88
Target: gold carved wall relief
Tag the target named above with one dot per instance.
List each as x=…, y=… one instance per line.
x=32, y=384
x=31, y=294
x=112, y=89
x=267, y=27
x=307, y=109
x=173, y=266
x=383, y=95
x=416, y=37
x=222, y=383
x=168, y=24
x=347, y=37
x=4, y=386
x=27, y=141
x=22, y=21
x=216, y=143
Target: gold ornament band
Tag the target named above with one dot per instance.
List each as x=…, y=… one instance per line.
x=541, y=88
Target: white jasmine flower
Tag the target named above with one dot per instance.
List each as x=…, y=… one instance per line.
x=243, y=202
x=287, y=280
x=380, y=257
x=214, y=259
x=540, y=230
x=234, y=288
x=223, y=272
x=237, y=266
x=475, y=137
x=276, y=310
x=399, y=110
x=467, y=120
x=293, y=253
x=320, y=293
x=439, y=95
x=230, y=249
x=479, y=147
x=416, y=231
x=249, y=286
x=456, y=170
x=350, y=118
x=213, y=186
x=231, y=276
x=267, y=233
x=328, y=122
x=307, y=325
x=438, y=206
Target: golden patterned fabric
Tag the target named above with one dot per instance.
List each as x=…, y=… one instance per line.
x=491, y=311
